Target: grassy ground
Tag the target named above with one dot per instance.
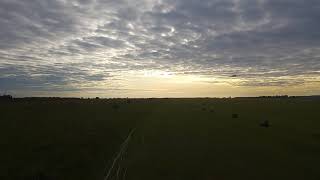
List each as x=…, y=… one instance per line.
x=174, y=139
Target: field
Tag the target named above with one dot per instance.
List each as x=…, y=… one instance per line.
x=163, y=139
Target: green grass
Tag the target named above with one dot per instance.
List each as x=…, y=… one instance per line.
x=174, y=139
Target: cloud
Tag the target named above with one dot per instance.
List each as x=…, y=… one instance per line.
x=66, y=44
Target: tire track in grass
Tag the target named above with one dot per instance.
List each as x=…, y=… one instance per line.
x=123, y=148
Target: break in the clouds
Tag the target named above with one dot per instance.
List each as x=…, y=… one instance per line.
x=85, y=46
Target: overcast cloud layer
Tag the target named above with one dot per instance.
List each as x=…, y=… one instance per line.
x=73, y=45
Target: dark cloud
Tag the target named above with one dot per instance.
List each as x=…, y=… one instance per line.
x=65, y=44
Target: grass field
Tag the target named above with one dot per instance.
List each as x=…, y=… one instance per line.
x=172, y=139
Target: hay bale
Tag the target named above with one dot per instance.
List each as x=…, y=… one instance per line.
x=265, y=124
x=40, y=176
x=115, y=106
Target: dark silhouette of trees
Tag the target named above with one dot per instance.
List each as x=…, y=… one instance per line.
x=6, y=98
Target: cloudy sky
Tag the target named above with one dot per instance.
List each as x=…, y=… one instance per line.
x=159, y=48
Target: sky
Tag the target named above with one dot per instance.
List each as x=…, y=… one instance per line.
x=159, y=48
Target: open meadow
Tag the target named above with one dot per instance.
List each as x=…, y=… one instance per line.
x=160, y=139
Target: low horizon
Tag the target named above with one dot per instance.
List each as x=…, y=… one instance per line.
x=163, y=97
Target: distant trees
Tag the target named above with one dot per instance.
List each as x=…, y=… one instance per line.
x=6, y=98
x=277, y=96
